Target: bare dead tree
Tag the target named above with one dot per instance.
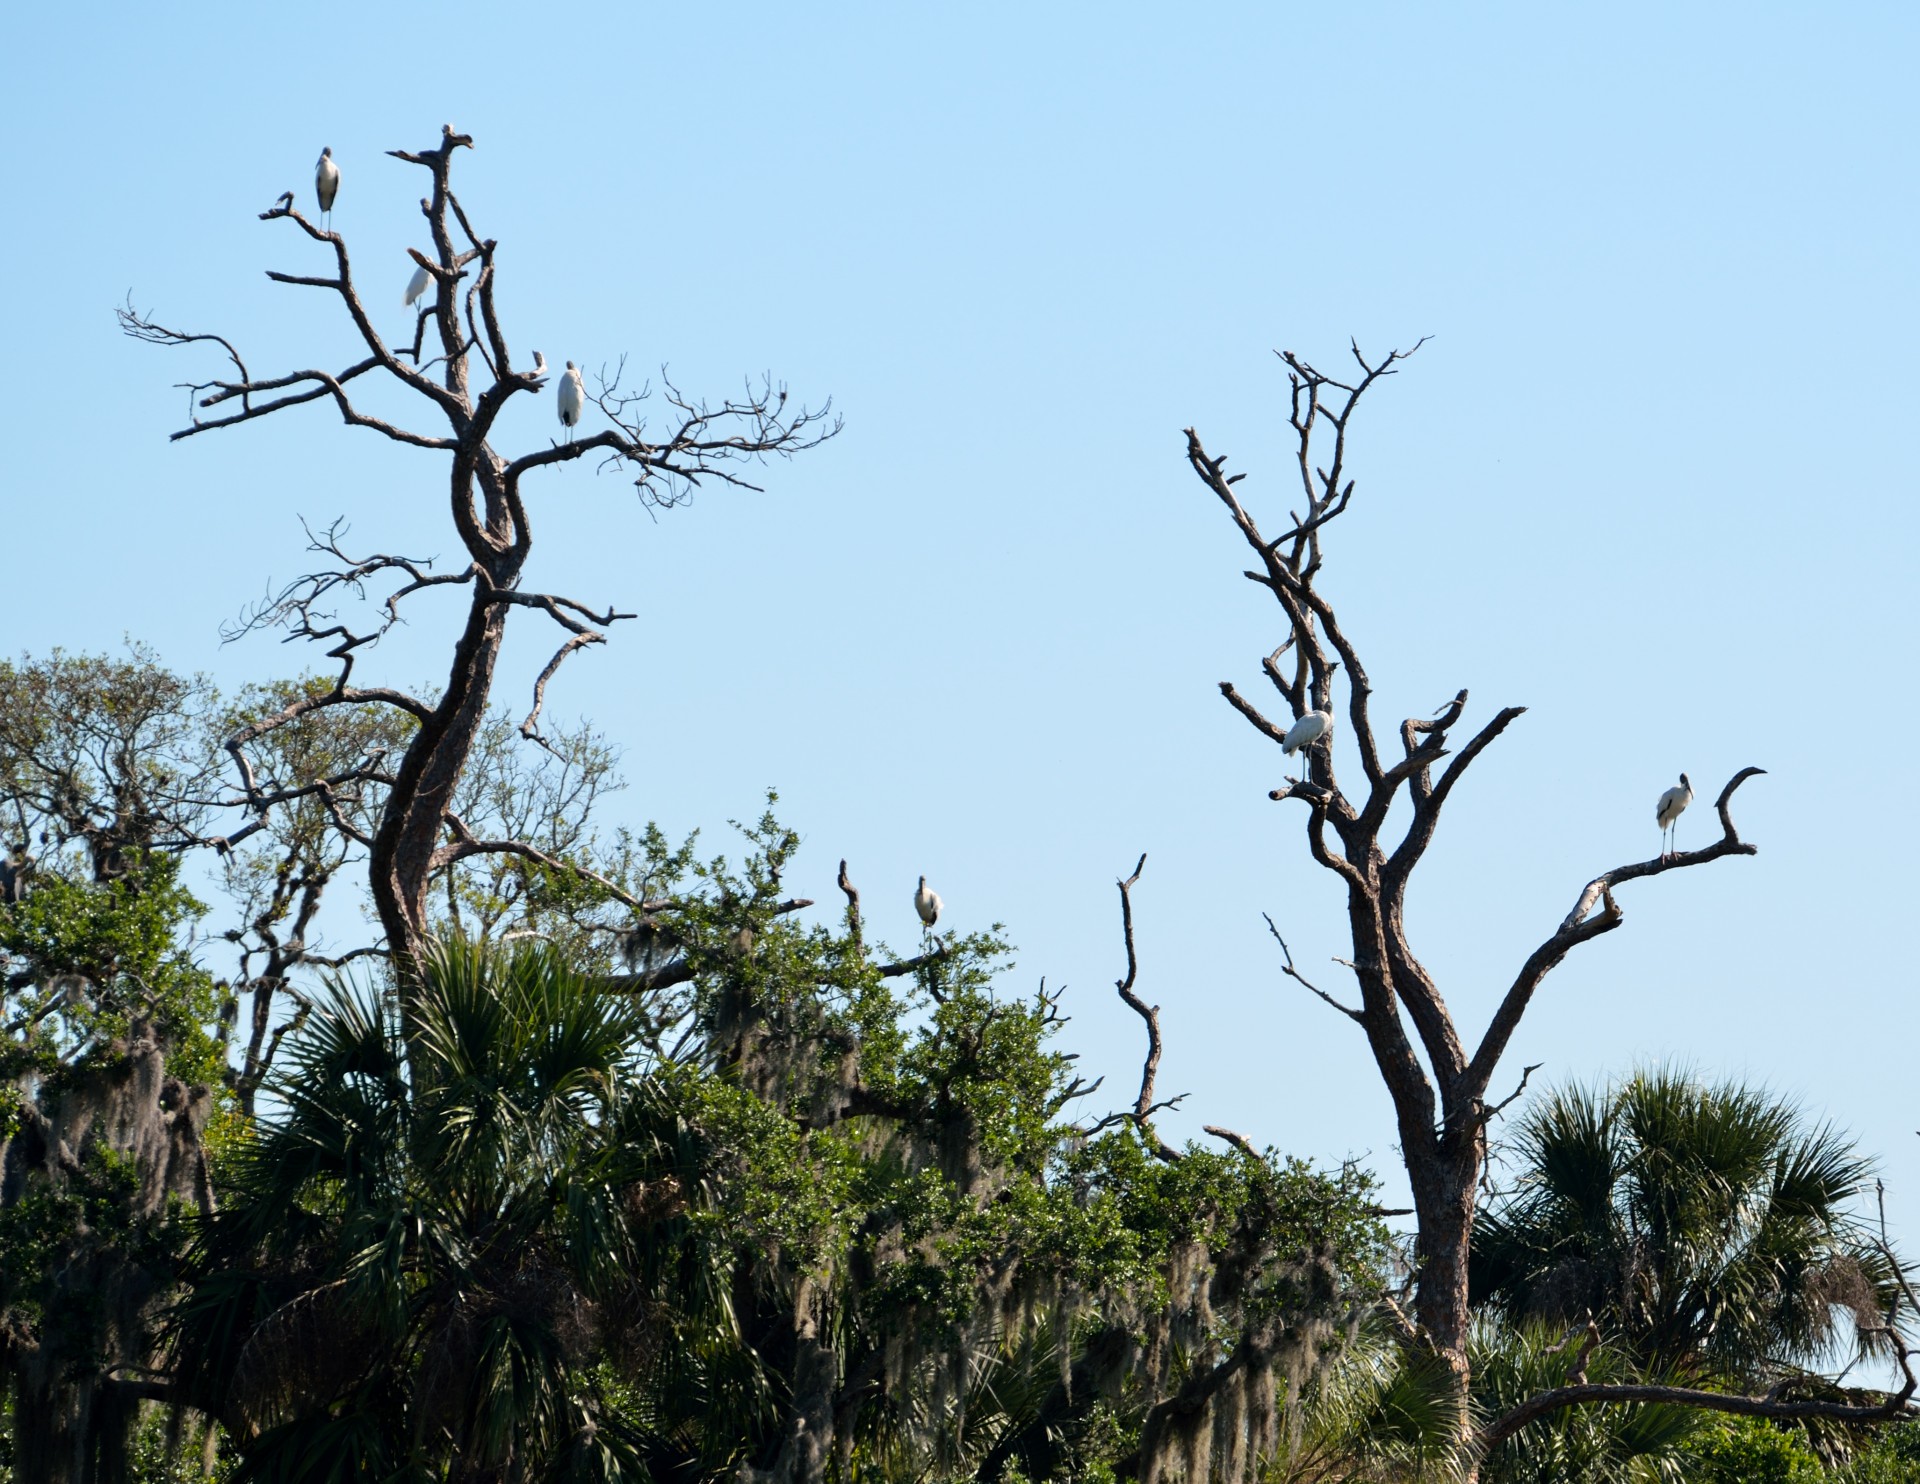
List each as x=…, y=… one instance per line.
x=1144, y=1105
x=1439, y=1087
x=463, y=387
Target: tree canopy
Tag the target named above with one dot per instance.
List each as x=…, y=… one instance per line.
x=588, y=1156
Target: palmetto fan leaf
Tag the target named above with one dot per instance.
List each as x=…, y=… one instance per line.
x=1637, y=1444
x=438, y=1236
x=1710, y=1227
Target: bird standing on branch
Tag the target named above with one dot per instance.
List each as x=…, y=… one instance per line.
x=417, y=285
x=326, y=183
x=1667, y=812
x=927, y=903
x=1308, y=730
x=573, y=399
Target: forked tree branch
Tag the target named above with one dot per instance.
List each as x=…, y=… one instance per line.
x=468, y=379
x=1581, y=927
x=1440, y=1106
x=855, y=928
x=1144, y=1106
x=1292, y=973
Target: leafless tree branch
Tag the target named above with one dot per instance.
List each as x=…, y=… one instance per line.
x=852, y=894
x=467, y=378
x=1144, y=1105
x=1581, y=927
x=1292, y=973
x=1438, y=1092
x=1496, y=1109
x=1592, y=1394
x=1239, y=1141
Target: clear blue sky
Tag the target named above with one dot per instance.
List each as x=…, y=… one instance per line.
x=1652, y=478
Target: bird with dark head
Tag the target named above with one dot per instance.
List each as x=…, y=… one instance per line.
x=1667, y=812
x=927, y=903
x=326, y=183
x=572, y=396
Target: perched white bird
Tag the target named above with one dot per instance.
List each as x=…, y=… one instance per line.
x=927, y=903
x=573, y=398
x=1667, y=812
x=1308, y=730
x=326, y=180
x=417, y=285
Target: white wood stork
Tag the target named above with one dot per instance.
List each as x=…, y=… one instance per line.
x=1308, y=730
x=1667, y=812
x=926, y=901
x=417, y=285
x=573, y=398
x=326, y=183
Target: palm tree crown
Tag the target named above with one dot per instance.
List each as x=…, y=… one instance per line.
x=1712, y=1228
x=429, y=1246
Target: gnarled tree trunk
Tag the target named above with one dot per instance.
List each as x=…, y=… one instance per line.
x=420, y=834
x=1439, y=1089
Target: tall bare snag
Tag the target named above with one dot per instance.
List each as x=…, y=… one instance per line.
x=462, y=383
x=1438, y=1080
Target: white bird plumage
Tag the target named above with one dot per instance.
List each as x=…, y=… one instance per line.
x=927, y=903
x=1667, y=812
x=326, y=180
x=572, y=397
x=417, y=285
x=1308, y=730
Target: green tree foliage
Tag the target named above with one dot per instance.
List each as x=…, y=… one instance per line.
x=1385, y=1411
x=659, y=1179
x=1711, y=1230
x=786, y=1210
x=1891, y=1457
x=122, y=1062
x=432, y=1249
x=1579, y=1445
x=1748, y=1451
x=85, y=961
x=109, y=758
x=104, y=1110
x=923, y=1224
x=109, y=762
